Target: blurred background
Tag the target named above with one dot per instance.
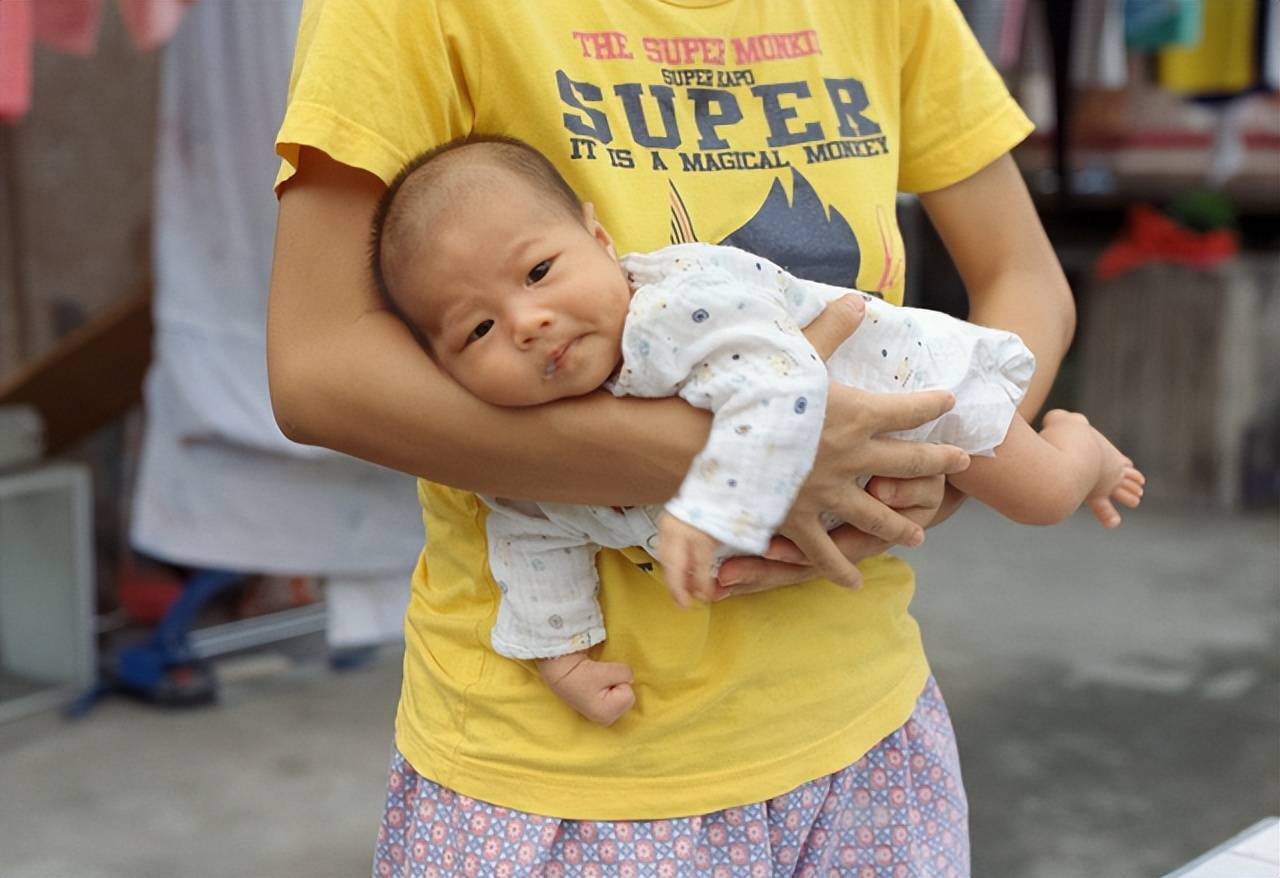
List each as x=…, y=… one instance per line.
x=1116, y=694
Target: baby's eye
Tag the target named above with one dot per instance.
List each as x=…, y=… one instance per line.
x=482, y=329
x=539, y=271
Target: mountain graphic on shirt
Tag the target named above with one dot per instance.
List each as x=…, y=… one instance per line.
x=808, y=238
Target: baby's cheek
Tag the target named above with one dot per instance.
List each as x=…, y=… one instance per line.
x=486, y=380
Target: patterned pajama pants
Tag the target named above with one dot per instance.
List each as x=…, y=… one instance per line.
x=898, y=812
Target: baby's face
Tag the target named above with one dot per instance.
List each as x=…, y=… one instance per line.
x=521, y=302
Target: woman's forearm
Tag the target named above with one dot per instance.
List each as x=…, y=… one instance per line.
x=1045, y=321
x=369, y=391
x=1008, y=266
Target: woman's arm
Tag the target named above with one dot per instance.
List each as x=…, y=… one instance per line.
x=347, y=375
x=1010, y=272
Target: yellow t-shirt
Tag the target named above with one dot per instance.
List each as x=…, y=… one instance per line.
x=783, y=128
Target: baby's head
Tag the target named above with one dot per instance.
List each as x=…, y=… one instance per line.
x=506, y=277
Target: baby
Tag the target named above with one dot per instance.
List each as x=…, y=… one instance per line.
x=512, y=285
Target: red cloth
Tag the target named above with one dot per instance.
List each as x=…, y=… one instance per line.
x=16, y=33
x=1150, y=236
x=71, y=26
x=68, y=25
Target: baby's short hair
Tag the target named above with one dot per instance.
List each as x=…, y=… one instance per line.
x=417, y=188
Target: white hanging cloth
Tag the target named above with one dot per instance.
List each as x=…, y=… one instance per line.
x=218, y=484
x=1098, y=57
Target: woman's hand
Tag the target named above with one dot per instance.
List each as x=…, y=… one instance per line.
x=921, y=500
x=850, y=447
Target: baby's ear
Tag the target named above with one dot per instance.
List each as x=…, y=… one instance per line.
x=596, y=228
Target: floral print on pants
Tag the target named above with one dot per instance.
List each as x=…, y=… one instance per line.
x=898, y=812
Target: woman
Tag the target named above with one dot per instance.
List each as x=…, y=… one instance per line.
x=789, y=132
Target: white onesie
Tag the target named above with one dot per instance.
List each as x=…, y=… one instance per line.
x=721, y=328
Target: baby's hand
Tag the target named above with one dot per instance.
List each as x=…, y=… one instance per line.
x=600, y=691
x=686, y=555
x=1118, y=481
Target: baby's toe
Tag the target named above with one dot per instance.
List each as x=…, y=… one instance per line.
x=1105, y=512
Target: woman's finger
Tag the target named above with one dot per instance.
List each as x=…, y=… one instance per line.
x=887, y=412
x=870, y=516
x=856, y=545
x=898, y=458
x=782, y=549
x=749, y=575
x=924, y=492
x=817, y=544
x=835, y=324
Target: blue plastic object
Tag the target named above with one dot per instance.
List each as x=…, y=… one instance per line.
x=163, y=669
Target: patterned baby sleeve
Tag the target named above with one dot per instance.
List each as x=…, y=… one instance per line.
x=547, y=577
x=733, y=348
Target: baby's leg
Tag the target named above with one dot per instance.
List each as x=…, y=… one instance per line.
x=548, y=612
x=600, y=691
x=1042, y=478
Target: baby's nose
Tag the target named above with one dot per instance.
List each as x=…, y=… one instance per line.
x=530, y=325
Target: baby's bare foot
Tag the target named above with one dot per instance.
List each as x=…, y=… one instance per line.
x=600, y=691
x=1121, y=482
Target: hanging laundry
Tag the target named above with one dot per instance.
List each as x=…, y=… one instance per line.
x=1098, y=57
x=72, y=25
x=1270, y=30
x=998, y=27
x=16, y=33
x=69, y=26
x=1224, y=61
x=983, y=18
x=1150, y=25
x=152, y=22
x=218, y=484
x=1012, y=29
x=1034, y=84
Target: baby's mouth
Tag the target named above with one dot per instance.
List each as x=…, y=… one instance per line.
x=557, y=356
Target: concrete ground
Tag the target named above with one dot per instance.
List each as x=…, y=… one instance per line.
x=1116, y=696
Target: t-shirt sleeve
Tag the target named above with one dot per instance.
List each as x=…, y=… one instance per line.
x=957, y=114
x=373, y=84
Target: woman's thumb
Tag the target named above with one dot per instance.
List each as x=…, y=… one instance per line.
x=835, y=324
